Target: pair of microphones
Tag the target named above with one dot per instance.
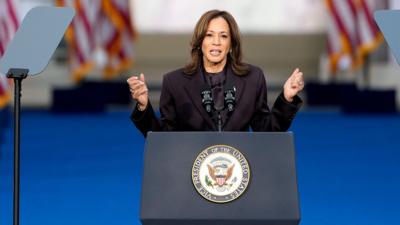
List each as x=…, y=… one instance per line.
x=208, y=101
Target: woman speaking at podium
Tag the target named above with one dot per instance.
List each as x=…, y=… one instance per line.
x=216, y=91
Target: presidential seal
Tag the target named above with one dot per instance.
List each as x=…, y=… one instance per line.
x=220, y=173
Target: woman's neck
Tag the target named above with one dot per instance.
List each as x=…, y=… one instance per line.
x=214, y=67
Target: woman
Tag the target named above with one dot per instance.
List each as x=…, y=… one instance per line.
x=216, y=60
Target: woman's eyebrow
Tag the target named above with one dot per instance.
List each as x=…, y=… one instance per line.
x=217, y=31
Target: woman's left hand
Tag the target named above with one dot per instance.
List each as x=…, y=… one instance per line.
x=293, y=85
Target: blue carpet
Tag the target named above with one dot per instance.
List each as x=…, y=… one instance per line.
x=86, y=169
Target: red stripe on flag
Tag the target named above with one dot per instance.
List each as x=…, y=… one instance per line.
x=128, y=24
x=111, y=43
x=368, y=15
x=340, y=24
x=86, y=24
x=4, y=41
x=77, y=50
x=4, y=29
x=1, y=49
x=353, y=9
x=12, y=14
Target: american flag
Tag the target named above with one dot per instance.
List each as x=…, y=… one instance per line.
x=352, y=33
x=8, y=26
x=99, y=25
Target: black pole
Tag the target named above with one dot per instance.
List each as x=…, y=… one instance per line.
x=219, y=121
x=18, y=75
x=17, y=120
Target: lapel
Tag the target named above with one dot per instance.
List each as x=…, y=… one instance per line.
x=237, y=82
x=240, y=85
x=193, y=89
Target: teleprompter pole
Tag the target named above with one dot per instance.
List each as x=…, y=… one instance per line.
x=18, y=75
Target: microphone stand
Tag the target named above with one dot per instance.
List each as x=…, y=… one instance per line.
x=219, y=121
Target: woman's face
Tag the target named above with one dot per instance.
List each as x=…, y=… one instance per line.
x=217, y=43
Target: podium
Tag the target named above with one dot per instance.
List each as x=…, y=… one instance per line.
x=170, y=196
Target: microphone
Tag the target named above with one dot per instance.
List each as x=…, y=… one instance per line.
x=229, y=97
x=206, y=98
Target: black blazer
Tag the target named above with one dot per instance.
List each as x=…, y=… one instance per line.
x=181, y=105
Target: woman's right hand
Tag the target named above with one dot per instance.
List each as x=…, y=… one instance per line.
x=139, y=91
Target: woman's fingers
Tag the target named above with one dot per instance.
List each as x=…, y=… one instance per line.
x=134, y=82
x=295, y=71
x=137, y=92
x=140, y=93
x=297, y=79
x=141, y=77
x=137, y=86
x=138, y=89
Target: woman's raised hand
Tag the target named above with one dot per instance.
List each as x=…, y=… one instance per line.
x=139, y=91
x=293, y=85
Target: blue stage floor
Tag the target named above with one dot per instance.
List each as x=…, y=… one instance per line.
x=86, y=169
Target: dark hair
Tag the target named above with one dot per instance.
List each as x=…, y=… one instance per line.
x=234, y=58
